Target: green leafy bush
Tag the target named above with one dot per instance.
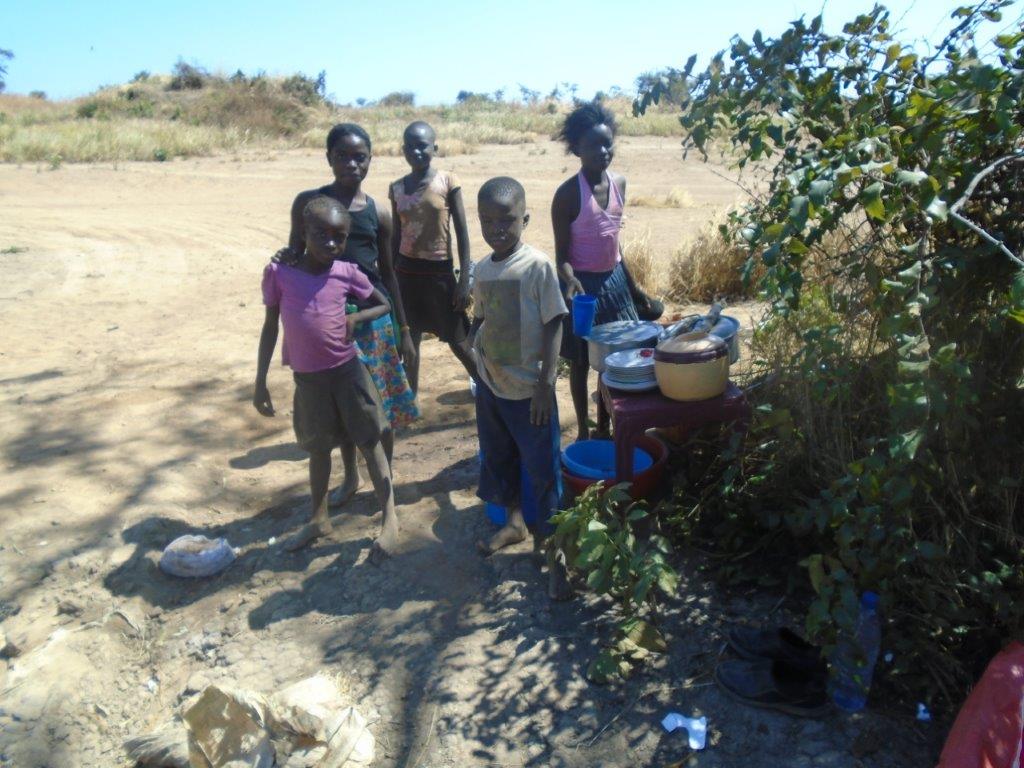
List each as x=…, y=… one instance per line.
x=886, y=452
x=599, y=537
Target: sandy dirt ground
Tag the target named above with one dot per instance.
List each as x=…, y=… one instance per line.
x=130, y=325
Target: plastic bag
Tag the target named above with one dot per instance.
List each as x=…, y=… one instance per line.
x=193, y=556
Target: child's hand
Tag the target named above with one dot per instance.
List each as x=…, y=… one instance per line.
x=261, y=400
x=541, y=402
x=406, y=349
x=461, y=298
x=573, y=287
x=285, y=256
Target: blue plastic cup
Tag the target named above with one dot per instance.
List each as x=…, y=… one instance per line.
x=583, y=308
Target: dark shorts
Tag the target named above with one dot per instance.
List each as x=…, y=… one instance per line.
x=428, y=288
x=335, y=405
x=614, y=302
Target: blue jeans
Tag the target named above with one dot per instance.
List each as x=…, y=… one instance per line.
x=509, y=442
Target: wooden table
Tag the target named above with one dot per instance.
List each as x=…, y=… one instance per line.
x=633, y=413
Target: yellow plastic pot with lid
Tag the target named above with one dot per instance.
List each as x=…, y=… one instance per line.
x=692, y=366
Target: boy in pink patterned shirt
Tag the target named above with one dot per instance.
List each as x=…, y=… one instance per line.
x=334, y=396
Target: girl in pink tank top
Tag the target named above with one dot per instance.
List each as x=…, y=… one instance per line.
x=586, y=214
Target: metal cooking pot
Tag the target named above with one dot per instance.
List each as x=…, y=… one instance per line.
x=726, y=328
x=621, y=334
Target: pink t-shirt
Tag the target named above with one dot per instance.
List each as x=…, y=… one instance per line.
x=313, y=313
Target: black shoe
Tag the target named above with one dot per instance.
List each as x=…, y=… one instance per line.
x=774, y=645
x=774, y=685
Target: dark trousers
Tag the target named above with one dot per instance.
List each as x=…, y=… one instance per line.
x=509, y=443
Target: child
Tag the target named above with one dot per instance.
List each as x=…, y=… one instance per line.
x=517, y=322
x=334, y=397
x=587, y=215
x=349, y=152
x=422, y=205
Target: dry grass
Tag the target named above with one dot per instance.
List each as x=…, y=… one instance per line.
x=676, y=198
x=645, y=266
x=707, y=268
x=146, y=121
x=57, y=143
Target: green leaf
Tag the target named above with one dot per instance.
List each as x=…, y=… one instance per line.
x=816, y=570
x=647, y=637
x=938, y=210
x=798, y=212
x=820, y=191
x=911, y=178
x=636, y=513
x=668, y=581
x=871, y=199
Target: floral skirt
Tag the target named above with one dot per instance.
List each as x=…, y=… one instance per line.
x=378, y=349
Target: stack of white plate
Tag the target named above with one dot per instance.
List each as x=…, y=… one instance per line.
x=631, y=370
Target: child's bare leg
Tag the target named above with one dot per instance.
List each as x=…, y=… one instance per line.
x=461, y=351
x=412, y=368
x=513, y=532
x=387, y=439
x=578, y=372
x=351, y=482
x=319, y=524
x=380, y=473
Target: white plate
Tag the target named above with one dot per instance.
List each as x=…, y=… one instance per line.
x=630, y=359
x=630, y=386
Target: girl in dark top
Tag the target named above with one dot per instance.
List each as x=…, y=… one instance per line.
x=369, y=248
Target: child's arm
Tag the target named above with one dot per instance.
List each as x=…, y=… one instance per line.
x=473, y=328
x=461, y=299
x=268, y=340
x=378, y=307
x=562, y=216
x=544, y=393
x=385, y=237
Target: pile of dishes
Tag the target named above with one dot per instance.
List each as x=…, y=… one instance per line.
x=631, y=370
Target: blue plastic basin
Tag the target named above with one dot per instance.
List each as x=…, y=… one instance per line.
x=595, y=459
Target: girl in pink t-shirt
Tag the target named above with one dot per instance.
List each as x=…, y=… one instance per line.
x=335, y=400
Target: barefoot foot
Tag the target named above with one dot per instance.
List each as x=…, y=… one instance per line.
x=306, y=534
x=340, y=495
x=384, y=546
x=511, y=534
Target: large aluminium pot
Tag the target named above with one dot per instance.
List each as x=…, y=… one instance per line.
x=621, y=334
x=692, y=366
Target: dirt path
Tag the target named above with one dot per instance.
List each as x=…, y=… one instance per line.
x=126, y=363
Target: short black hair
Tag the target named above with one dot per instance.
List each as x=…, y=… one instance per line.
x=419, y=124
x=503, y=188
x=581, y=120
x=347, y=129
x=320, y=206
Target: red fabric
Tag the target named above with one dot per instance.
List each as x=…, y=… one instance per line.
x=989, y=730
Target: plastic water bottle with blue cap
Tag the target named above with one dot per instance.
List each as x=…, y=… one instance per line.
x=853, y=661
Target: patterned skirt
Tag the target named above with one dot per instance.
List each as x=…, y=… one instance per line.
x=378, y=349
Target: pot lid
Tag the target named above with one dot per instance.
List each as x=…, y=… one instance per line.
x=636, y=332
x=697, y=347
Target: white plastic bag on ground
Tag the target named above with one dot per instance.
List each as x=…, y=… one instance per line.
x=193, y=556
x=226, y=726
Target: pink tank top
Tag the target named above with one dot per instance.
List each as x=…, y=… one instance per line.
x=595, y=232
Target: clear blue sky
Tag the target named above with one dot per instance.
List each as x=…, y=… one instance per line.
x=432, y=48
